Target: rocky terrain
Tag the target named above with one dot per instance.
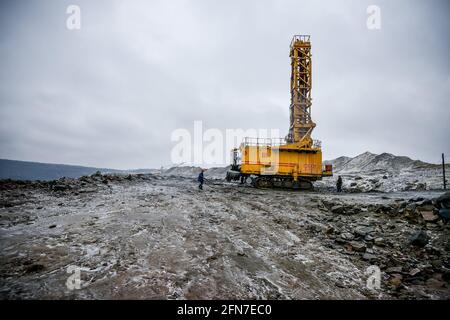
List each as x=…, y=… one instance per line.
x=384, y=172
x=156, y=236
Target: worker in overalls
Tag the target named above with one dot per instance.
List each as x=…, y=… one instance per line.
x=339, y=184
x=201, y=180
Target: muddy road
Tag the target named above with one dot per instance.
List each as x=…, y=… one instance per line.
x=156, y=237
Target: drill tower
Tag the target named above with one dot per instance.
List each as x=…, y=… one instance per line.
x=301, y=124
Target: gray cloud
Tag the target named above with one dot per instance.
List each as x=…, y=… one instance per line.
x=111, y=93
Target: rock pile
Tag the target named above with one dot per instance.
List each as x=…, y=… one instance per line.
x=407, y=239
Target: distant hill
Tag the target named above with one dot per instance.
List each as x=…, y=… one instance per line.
x=384, y=162
x=384, y=172
x=24, y=170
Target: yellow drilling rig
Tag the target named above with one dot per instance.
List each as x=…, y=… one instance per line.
x=295, y=161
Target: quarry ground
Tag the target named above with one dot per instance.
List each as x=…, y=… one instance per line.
x=159, y=237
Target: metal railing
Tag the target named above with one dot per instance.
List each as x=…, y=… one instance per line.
x=271, y=142
x=248, y=141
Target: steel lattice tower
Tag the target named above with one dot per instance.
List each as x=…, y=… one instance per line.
x=300, y=111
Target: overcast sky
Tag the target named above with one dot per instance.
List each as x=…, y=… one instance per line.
x=111, y=93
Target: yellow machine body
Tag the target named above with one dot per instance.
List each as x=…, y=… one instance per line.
x=284, y=160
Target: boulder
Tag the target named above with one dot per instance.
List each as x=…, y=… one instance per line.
x=362, y=231
x=96, y=174
x=419, y=239
x=347, y=236
x=379, y=242
x=329, y=230
x=357, y=246
x=429, y=216
x=414, y=272
x=339, y=209
x=394, y=269
x=443, y=201
x=396, y=280
x=369, y=257
x=60, y=187
x=384, y=208
x=444, y=214
x=36, y=267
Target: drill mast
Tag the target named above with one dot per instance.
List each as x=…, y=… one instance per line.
x=301, y=124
